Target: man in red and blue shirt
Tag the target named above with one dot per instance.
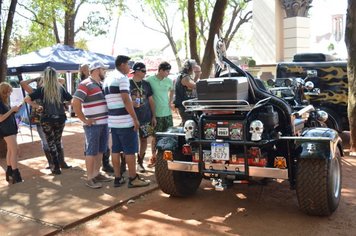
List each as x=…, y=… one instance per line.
x=90, y=106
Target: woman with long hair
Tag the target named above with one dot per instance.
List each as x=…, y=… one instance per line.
x=8, y=130
x=35, y=118
x=53, y=96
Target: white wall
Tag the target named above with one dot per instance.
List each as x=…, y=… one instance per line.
x=264, y=31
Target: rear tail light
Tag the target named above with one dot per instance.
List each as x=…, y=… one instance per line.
x=186, y=149
x=256, y=158
x=168, y=155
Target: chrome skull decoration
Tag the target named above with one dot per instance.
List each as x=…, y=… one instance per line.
x=256, y=130
x=189, y=129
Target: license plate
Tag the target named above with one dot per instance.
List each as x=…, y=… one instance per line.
x=222, y=131
x=220, y=151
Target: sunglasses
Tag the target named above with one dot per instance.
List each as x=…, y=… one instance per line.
x=143, y=71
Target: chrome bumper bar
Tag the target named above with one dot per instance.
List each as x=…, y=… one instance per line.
x=254, y=171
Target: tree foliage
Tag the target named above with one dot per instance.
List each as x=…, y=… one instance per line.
x=158, y=8
x=235, y=18
x=196, y=20
x=56, y=21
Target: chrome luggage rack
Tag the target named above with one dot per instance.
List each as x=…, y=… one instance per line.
x=213, y=105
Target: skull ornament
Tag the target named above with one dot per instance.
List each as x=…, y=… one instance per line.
x=189, y=129
x=256, y=129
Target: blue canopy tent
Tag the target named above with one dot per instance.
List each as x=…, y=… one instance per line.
x=63, y=58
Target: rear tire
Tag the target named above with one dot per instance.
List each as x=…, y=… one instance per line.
x=175, y=183
x=318, y=185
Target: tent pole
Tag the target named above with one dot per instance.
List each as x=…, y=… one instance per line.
x=27, y=110
x=69, y=89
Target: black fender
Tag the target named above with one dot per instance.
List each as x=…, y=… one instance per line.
x=171, y=139
x=167, y=143
x=320, y=143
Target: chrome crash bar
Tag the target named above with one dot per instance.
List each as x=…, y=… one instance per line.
x=221, y=105
x=234, y=168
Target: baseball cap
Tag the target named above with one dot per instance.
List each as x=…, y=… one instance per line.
x=96, y=65
x=138, y=66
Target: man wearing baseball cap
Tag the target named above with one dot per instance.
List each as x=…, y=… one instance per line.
x=90, y=106
x=141, y=96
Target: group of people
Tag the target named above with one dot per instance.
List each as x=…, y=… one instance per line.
x=130, y=109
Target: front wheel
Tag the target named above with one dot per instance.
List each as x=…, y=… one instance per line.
x=175, y=183
x=318, y=185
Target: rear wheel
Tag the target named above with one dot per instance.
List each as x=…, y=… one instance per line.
x=175, y=183
x=318, y=185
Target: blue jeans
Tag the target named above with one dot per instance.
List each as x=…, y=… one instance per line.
x=96, y=139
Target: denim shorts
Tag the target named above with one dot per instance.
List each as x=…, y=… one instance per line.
x=124, y=140
x=96, y=139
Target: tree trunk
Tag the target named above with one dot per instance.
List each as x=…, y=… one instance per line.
x=350, y=40
x=5, y=43
x=55, y=30
x=174, y=49
x=216, y=23
x=69, y=23
x=192, y=31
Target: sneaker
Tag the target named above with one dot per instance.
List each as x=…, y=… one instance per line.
x=138, y=181
x=119, y=181
x=102, y=178
x=140, y=168
x=92, y=184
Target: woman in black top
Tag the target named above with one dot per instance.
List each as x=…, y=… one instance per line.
x=8, y=130
x=52, y=95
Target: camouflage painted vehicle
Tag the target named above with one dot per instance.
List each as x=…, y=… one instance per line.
x=330, y=77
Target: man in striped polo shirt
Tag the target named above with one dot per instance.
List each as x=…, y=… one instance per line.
x=123, y=122
x=90, y=106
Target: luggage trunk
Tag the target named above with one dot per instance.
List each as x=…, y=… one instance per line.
x=233, y=88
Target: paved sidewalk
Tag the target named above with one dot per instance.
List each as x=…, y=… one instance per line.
x=46, y=204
